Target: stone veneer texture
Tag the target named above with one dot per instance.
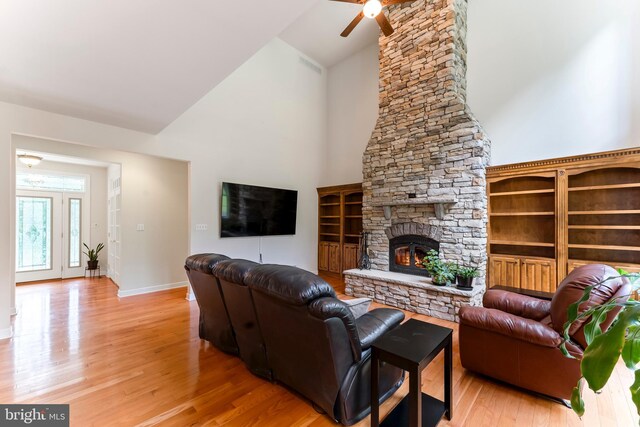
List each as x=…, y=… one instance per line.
x=426, y=140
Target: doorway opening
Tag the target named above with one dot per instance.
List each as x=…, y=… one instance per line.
x=61, y=205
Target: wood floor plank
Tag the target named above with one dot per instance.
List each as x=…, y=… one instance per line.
x=138, y=361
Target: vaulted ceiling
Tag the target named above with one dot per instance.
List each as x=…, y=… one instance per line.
x=132, y=63
x=317, y=32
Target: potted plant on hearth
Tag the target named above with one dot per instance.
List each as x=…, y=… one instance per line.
x=92, y=255
x=465, y=276
x=440, y=272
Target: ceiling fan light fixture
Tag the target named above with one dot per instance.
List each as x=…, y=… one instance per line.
x=29, y=159
x=372, y=8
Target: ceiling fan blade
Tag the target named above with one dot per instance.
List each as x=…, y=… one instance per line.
x=350, y=1
x=352, y=25
x=387, y=29
x=391, y=2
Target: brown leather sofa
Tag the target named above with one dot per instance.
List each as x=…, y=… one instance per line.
x=515, y=338
x=290, y=327
x=215, y=325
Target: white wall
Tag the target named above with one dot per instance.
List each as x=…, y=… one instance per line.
x=97, y=194
x=264, y=125
x=155, y=194
x=352, y=115
x=550, y=79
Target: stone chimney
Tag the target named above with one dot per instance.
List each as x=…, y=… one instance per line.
x=428, y=154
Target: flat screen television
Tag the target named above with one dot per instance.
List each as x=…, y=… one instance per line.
x=248, y=210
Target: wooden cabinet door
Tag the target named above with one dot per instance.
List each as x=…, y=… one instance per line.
x=350, y=256
x=323, y=256
x=538, y=275
x=504, y=271
x=335, y=264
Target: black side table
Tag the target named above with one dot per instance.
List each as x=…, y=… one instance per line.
x=411, y=347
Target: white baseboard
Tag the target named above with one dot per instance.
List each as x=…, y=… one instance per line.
x=150, y=289
x=6, y=333
x=13, y=311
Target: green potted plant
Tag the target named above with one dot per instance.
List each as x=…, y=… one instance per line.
x=604, y=349
x=440, y=271
x=465, y=276
x=92, y=255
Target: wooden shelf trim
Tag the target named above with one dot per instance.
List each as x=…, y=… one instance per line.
x=523, y=192
x=522, y=214
x=520, y=243
x=329, y=204
x=352, y=203
x=330, y=234
x=604, y=227
x=605, y=247
x=619, y=212
x=329, y=216
x=353, y=216
x=605, y=187
x=328, y=224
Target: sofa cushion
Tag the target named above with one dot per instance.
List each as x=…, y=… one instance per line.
x=288, y=284
x=204, y=262
x=233, y=270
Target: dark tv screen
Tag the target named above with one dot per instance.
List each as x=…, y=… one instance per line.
x=248, y=210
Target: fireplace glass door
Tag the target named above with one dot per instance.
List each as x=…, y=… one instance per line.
x=406, y=254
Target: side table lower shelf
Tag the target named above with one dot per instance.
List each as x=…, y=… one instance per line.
x=432, y=411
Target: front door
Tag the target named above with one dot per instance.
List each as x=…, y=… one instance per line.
x=50, y=228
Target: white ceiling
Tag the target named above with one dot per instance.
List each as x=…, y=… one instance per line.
x=317, y=32
x=58, y=158
x=138, y=64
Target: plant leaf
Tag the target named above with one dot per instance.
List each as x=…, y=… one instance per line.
x=601, y=355
x=635, y=391
x=577, y=404
x=564, y=351
x=593, y=329
x=631, y=349
x=572, y=311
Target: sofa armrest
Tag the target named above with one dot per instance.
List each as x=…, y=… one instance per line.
x=510, y=325
x=517, y=304
x=328, y=308
x=376, y=323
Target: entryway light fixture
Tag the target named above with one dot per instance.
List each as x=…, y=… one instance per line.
x=372, y=8
x=29, y=160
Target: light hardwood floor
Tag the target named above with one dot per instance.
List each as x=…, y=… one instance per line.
x=139, y=361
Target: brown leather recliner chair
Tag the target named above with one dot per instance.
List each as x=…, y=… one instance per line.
x=239, y=302
x=215, y=325
x=516, y=338
x=316, y=346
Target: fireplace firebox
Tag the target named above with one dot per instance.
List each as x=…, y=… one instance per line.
x=406, y=254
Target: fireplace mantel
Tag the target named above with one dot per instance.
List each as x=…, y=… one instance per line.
x=440, y=205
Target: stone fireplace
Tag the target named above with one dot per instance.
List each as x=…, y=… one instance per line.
x=424, y=167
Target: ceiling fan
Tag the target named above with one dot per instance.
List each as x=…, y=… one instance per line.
x=372, y=9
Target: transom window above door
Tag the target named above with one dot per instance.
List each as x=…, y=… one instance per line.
x=46, y=181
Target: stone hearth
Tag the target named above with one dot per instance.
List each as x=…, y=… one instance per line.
x=426, y=161
x=411, y=293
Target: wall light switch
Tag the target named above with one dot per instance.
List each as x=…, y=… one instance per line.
x=202, y=227
x=140, y=227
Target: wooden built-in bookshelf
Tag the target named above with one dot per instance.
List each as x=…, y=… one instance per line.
x=339, y=227
x=547, y=218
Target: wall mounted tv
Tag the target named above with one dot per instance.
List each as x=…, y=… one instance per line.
x=247, y=210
